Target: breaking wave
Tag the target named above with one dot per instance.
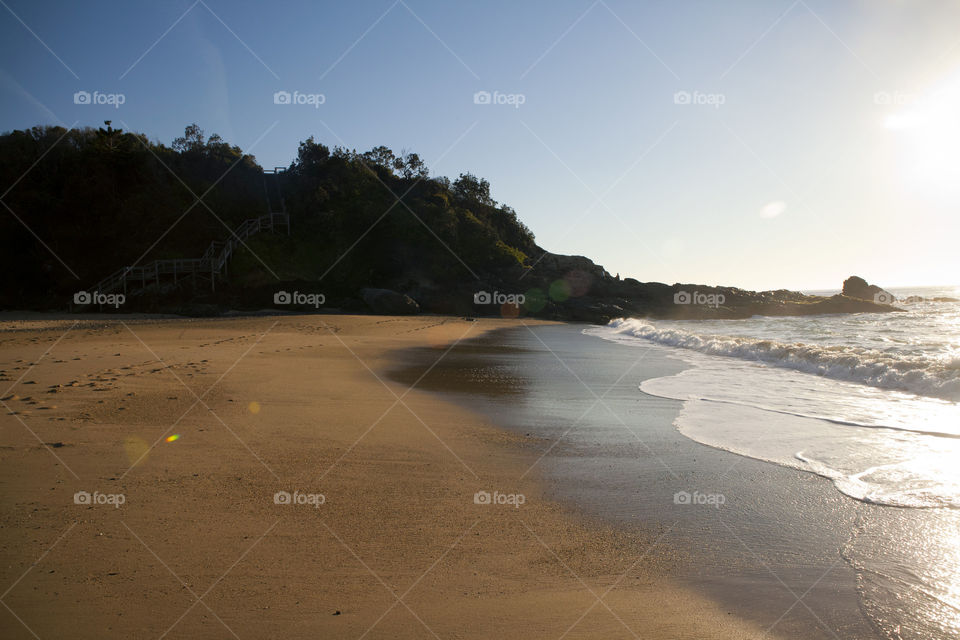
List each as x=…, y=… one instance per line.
x=937, y=377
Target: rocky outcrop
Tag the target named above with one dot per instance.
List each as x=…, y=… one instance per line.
x=391, y=303
x=556, y=263
x=857, y=287
x=575, y=288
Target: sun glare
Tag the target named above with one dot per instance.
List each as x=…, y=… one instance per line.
x=927, y=132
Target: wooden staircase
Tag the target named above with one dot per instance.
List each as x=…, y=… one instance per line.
x=213, y=263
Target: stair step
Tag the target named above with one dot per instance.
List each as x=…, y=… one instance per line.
x=216, y=256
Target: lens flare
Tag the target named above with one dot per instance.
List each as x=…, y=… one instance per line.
x=136, y=449
x=172, y=438
x=254, y=407
x=559, y=290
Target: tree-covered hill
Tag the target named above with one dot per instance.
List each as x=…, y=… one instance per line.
x=81, y=204
x=86, y=202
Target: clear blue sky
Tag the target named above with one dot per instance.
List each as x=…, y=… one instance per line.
x=821, y=138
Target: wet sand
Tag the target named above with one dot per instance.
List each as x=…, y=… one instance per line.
x=771, y=552
x=112, y=528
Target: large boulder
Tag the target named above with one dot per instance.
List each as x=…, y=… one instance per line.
x=857, y=287
x=591, y=310
x=389, y=303
x=559, y=265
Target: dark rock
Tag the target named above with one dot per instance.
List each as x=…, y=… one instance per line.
x=857, y=287
x=561, y=265
x=590, y=310
x=391, y=303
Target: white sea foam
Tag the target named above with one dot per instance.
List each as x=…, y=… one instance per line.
x=935, y=375
x=847, y=413
x=867, y=401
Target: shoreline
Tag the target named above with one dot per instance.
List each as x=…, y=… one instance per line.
x=298, y=404
x=620, y=464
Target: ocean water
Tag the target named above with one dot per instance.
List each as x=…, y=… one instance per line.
x=870, y=402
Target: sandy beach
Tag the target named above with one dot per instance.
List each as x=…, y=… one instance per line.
x=382, y=535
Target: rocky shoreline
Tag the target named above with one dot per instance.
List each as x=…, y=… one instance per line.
x=552, y=287
x=575, y=288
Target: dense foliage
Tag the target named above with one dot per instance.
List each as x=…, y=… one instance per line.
x=82, y=203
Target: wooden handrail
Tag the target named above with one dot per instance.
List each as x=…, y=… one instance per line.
x=216, y=256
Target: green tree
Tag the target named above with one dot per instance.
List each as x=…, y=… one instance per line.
x=191, y=140
x=411, y=166
x=381, y=157
x=470, y=187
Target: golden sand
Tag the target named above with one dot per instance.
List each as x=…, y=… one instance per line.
x=184, y=432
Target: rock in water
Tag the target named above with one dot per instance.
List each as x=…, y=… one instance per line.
x=391, y=303
x=857, y=287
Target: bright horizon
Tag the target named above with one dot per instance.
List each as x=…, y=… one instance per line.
x=749, y=145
